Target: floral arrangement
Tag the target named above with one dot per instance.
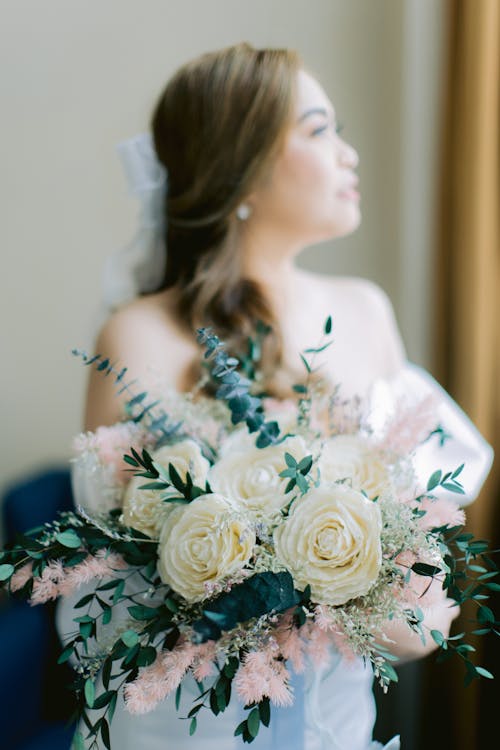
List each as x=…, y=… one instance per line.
x=244, y=536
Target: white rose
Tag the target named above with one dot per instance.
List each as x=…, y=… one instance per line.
x=203, y=542
x=186, y=456
x=354, y=457
x=331, y=541
x=145, y=510
x=252, y=476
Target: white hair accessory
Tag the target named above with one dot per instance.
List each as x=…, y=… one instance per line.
x=140, y=265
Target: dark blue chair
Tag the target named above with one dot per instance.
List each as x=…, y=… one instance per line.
x=35, y=702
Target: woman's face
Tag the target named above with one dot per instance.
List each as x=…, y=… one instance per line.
x=309, y=193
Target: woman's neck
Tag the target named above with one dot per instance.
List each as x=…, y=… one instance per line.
x=271, y=264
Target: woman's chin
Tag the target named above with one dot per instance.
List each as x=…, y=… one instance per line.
x=344, y=225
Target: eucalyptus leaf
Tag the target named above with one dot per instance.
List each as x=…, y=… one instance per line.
x=6, y=570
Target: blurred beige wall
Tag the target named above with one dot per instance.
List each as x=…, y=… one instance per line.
x=77, y=77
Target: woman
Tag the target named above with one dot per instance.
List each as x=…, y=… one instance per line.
x=256, y=172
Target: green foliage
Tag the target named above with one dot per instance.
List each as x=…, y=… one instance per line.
x=257, y=595
x=297, y=472
x=234, y=389
x=137, y=409
x=304, y=389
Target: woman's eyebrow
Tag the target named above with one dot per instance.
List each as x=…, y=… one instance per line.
x=313, y=111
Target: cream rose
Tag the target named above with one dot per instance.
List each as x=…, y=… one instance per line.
x=251, y=476
x=186, y=456
x=331, y=541
x=145, y=510
x=354, y=457
x=203, y=542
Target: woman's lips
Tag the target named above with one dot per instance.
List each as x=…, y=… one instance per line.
x=350, y=194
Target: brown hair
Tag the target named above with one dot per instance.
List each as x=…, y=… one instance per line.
x=217, y=127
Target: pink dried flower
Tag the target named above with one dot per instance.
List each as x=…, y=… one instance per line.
x=410, y=425
x=111, y=443
x=440, y=512
x=21, y=576
x=103, y=565
x=162, y=677
x=262, y=675
x=341, y=643
x=325, y=622
x=203, y=664
x=290, y=643
x=318, y=644
x=46, y=586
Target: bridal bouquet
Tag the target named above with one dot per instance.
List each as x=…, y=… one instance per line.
x=234, y=538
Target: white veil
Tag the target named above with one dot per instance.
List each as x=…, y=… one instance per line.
x=140, y=265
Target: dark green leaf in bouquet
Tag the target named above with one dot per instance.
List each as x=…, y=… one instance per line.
x=6, y=571
x=268, y=434
x=423, y=569
x=256, y=596
x=253, y=721
x=141, y=612
x=265, y=711
x=146, y=656
x=69, y=538
x=105, y=734
x=89, y=691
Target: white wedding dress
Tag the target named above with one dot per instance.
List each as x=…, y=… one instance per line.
x=334, y=707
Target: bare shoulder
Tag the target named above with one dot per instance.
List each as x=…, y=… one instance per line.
x=374, y=303
x=146, y=339
x=366, y=314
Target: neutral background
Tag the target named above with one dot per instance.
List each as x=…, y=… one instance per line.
x=77, y=77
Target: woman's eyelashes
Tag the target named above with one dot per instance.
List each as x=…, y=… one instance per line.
x=338, y=128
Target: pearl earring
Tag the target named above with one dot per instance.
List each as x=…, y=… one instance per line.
x=243, y=211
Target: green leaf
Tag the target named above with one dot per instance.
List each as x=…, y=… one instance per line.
x=484, y=673
x=120, y=586
x=83, y=601
x=112, y=706
x=105, y=733
x=68, y=538
x=192, y=726
x=438, y=637
x=328, y=325
x=291, y=462
x=257, y=595
x=454, y=488
x=103, y=699
x=107, y=615
x=129, y=638
x=68, y=651
x=78, y=742
x=423, y=569
x=147, y=656
x=434, y=480
x=178, y=696
x=305, y=465
x=253, y=722
x=265, y=711
x=485, y=615
x=6, y=571
x=306, y=363
x=89, y=691
x=140, y=612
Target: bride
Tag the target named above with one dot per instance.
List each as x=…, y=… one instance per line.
x=253, y=170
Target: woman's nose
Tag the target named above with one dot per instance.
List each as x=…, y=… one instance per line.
x=348, y=156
